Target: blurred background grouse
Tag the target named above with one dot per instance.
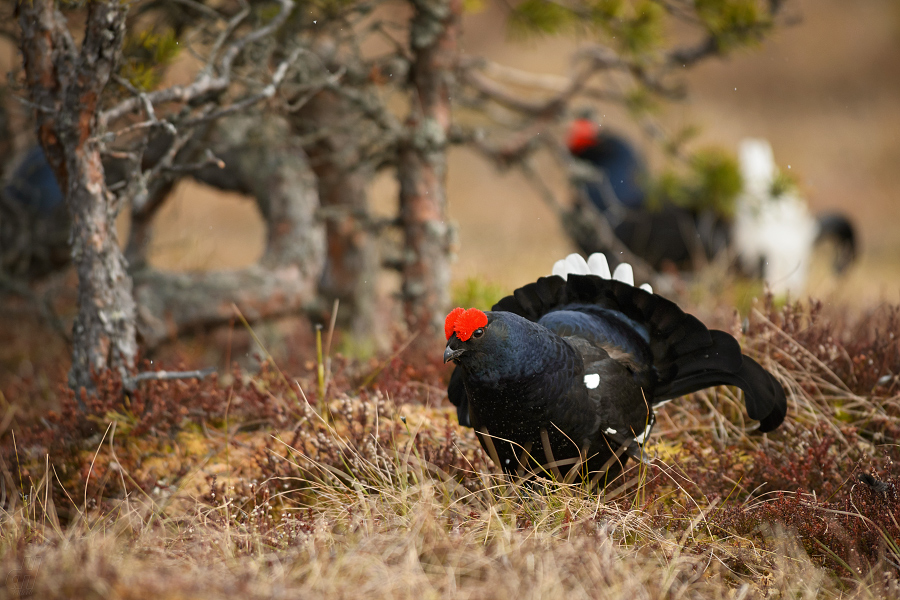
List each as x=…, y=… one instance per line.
x=563, y=376
x=774, y=233
x=771, y=230
x=663, y=234
x=34, y=221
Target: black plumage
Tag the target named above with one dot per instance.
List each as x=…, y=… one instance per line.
x=33, y=184
x=661, y=235
x=837, y=228
x=672, y=235
x=566, y=373
x=34, y=220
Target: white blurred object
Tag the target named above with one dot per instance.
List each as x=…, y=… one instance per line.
x=772, y=235
x=596, y=264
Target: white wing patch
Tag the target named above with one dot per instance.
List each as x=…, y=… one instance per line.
x=640, y=439
x=596, y=264
x=610, y=431
x=591, y=381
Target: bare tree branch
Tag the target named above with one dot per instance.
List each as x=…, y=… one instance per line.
x=264, y=94
x=205, y=83
x=131, y=382
x=270, y=166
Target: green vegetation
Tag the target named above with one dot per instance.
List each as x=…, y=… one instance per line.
x=636, y=27
x=782, y=184
x=477, y=292
x=734, y=23
x=633, y=28
x=146, y=55
x=711, y=181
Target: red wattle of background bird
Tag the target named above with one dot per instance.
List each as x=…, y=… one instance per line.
x=582, y=135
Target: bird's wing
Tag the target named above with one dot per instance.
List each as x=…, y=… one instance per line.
x=650, y=330
x=610, y=331
x=617, y=395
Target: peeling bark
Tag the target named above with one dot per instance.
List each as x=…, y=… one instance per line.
x=422, y=167
x=352, y=261
x=65, y=84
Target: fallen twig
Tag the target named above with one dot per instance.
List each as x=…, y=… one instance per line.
x=130, y=383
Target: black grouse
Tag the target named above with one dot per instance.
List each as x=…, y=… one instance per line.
x=564, y=374
x=665, y=235
x=671, y=235
x=34, y=220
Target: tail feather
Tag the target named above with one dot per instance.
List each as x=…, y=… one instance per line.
x=837, y=227
x=725, y=365
x=671, y=331
x=687, y=356
x=723, y=354
x=766, y=404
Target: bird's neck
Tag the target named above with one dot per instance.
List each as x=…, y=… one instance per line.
x=514, y=396
x=531, y=355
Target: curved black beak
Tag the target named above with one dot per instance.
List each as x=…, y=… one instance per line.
x=451, y=353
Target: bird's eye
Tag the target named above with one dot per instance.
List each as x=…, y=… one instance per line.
x=478, y=332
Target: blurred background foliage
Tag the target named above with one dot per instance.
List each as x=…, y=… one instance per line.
x=710, y=180
x=146, y=55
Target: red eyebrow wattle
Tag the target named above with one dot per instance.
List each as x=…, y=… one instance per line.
x=450, y=321
x=464, y=322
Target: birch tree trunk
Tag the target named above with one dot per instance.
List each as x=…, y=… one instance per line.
x=352, y=258
x=65, y=84
x=422, y=167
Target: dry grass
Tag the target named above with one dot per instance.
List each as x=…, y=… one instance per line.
x=205, y=490
x=410, y=543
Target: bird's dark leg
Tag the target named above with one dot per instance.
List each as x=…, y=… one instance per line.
x=548, y=453
x=609, y=463
x=523, y=459
x=489, y=443
x=582, y=459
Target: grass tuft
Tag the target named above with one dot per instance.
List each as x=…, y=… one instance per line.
x=195, y=489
